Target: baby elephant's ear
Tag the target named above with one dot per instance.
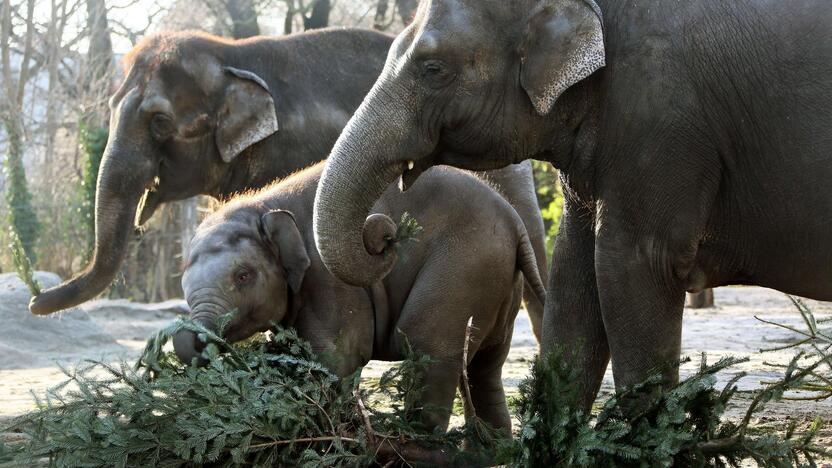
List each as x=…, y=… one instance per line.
x=281, y=234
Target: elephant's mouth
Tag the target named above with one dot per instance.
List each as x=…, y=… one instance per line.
x=410, y=174
x=149, y=203
x=413, y=168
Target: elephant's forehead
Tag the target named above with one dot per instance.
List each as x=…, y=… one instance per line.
x=221, y=237
x=495, y=11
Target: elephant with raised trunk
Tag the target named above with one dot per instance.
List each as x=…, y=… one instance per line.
x=198, y=114
x=256, y=259
x=693, y=140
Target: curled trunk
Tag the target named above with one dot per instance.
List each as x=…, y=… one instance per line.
x=371, y=153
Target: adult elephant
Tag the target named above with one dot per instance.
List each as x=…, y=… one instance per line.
x=699, y=156
x=198, y=114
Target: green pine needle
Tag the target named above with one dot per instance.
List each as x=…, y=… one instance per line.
x=263, y=403
x=22, y=264
x=681, y=426
x=408, y=229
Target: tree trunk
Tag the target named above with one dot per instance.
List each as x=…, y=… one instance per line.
x=701, y=300
x=21, y=216
x=407, y=8
x=189, y=219
x=98, y=76
x=319, y=18
x=243, y=18
x=54, y=38
x=380, y=21
x=289, y=20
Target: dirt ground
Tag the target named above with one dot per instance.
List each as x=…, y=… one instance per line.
x=31, y=348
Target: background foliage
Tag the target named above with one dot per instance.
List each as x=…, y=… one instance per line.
x=550, y=200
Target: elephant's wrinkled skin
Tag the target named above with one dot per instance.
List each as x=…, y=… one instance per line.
x=197, y=114
x=693, y=140
x=257, y=258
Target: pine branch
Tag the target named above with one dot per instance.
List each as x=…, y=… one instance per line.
x=22, y=264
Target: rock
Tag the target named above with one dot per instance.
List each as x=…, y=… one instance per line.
x=115, y=307
x=28, y=341
x=127, y=320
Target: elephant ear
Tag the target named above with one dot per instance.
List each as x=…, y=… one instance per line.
x=564, y=45
x=246, y=115
x=281, y=234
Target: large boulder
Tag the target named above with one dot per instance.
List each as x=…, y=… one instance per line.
x=29, y=341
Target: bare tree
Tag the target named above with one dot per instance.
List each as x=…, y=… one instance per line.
x=99, y=64
x=319, y=16
x=405, y=8
x=53, y=42
x=12, y=92
x=315, y=15
x=243, y=17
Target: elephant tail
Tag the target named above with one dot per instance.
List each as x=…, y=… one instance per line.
x=527, y=261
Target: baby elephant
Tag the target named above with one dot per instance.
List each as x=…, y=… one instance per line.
x=256, y=257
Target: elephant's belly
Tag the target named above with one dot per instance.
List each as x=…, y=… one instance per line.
x=790, y=252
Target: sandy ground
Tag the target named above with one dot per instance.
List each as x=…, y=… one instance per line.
x=112, y=330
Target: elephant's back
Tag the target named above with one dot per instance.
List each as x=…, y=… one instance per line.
x=454, y=206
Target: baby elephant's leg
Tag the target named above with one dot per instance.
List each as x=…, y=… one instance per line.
x=437, y=400
x=485, y=379
x=432, y=326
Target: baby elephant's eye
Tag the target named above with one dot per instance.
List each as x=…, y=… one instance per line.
x=243, y=277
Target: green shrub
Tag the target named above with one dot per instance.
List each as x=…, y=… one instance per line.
x=93, y=142
x=549, y=199
x=21, y=217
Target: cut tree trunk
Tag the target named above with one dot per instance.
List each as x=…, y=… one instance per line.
x=701, y=300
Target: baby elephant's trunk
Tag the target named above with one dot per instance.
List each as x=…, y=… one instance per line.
x=188, y=346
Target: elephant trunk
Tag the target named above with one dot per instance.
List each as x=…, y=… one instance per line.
x=186, y=343
x=372, y=151
x=207, y=304
x=188, y=346
x=125, y=172
x=117, y=195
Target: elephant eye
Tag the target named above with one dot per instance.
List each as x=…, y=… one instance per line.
x=243, y=277
x=161, y=126
x=436, y=74
x=432, y=67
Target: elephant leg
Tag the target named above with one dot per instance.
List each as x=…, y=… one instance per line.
x=419, y=328
x=649, y=231
x=485, y=378
x=573, y=320
x=435, y=315
x=437, y=399
x=642, y=303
